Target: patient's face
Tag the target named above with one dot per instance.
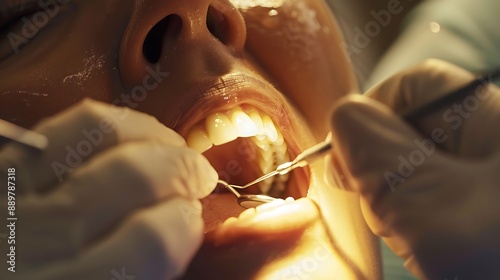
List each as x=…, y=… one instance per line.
x=248, y=83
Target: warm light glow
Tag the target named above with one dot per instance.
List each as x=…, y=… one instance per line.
x=248, y=4
x=273, y=13
x=435, y=27
x=314, y=257
x=243, y=123
x=341, y=212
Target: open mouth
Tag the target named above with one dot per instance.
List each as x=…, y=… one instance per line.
x=235, y=139
x=245, y=128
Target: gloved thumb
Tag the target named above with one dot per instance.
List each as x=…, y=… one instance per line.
x=375, y=148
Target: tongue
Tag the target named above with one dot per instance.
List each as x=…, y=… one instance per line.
x=235, y=162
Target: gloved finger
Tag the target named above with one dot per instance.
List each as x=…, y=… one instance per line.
x=370, y=140
x=429, y=81
x=109, y=187
x=388, y=163
x=471, y=121
x=155, y=243
x=76, y=135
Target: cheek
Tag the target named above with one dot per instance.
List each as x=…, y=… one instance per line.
x=300, y=46
x=72, y=58
x=40, y=92
x=78, y=61
x=292, y=30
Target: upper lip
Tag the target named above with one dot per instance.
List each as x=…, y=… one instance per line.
x=232, y=90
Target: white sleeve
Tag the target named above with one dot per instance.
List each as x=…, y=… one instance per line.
x=463, y=32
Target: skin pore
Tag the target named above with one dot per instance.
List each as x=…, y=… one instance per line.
x=282, y=57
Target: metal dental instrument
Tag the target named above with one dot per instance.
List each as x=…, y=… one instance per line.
x=254, y=200
x=301, y=160
x=410, y=116
x=247, y=200
x=30, y=138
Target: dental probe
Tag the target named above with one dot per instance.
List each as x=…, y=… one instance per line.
x=410, y=116
x=301, y=160
x=247, y=200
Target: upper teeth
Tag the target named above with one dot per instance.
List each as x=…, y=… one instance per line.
x=223, y=127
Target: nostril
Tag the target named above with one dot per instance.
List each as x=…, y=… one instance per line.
x=168, y=29
x=218, y=25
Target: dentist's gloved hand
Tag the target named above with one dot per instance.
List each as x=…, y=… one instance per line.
x=114, y=196
x=432, y=195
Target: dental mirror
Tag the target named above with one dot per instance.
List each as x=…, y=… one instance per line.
x=247, y=200
x=253, y=200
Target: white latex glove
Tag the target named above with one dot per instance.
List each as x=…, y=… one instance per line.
x=436, y=207
x=114, y=196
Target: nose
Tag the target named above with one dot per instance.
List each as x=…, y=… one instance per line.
x=189, y=38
